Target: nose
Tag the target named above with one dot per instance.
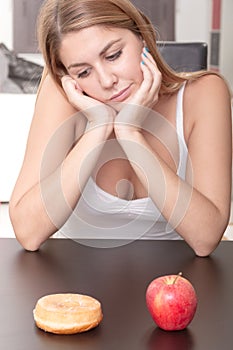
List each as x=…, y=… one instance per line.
x=107, y=77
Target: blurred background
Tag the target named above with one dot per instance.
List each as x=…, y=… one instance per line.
x=180, y=20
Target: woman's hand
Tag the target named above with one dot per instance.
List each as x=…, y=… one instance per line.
x=96, y=112
x=147, y=94
x=133, y=114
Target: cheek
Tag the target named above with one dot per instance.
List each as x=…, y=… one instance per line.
x=131, y=67
x=135, y=74
x=135, y=59
x=138, y=73
x=131, y=70
x=90, y=87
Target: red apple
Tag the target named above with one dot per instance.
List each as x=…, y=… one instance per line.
x=171, y=301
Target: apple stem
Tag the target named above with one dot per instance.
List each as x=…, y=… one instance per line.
x=177, y=276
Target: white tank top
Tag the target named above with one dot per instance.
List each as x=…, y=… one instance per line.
x=99, y=214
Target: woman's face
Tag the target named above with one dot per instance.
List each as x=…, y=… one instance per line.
x=105, y=62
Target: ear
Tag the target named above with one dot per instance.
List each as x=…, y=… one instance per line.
x=144, y=43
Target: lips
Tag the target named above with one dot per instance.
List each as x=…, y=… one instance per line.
x=122, y=95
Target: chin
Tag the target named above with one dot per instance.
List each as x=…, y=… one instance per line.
x=118, y=106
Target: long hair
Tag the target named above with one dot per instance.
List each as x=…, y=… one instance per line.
x=60, y=17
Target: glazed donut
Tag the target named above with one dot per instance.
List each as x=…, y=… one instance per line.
x=67, y=313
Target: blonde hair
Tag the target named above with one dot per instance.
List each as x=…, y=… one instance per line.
x=60, y=17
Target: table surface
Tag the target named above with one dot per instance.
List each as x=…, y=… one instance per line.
x=118, y=277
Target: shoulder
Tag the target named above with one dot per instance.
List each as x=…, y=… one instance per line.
x=52, y=109
x=207, y=89
x=206, y=106
x=207, y=97
x=52, y=99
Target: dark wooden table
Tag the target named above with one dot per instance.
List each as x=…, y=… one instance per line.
x=118, y=277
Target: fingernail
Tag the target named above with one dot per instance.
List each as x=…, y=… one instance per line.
x=144, y=54
x=147, y=50
x=142, y=62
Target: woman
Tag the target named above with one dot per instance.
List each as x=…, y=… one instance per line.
x=119, y=143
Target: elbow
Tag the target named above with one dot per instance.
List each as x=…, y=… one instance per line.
x=28, y=244
x=203, y=252
x=210, y=236
x=205, y=247
x=25, y=238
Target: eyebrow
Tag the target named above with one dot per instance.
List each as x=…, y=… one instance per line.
x=102, y=52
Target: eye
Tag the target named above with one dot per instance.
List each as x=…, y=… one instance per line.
x=114, y=56
x=84, y=73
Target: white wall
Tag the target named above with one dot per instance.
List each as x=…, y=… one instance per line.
x=226, y=47
x=6, y=20
x=193, y=23
x=193, y=20
x=15, y=119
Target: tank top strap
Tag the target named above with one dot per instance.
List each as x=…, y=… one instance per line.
x=183, y=150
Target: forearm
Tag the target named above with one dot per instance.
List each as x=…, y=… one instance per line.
x=194, y=216
x=46, y=206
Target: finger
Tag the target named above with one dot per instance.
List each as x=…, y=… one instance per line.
x=66, y=79
x=68, y=83
x=147, y=54
x=73, y=92
x=150, y=63
x=147, y=77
